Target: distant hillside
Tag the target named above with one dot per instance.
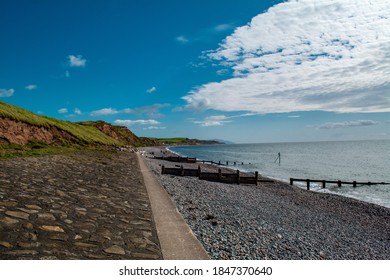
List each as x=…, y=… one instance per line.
x=186, y=141
x=21, y=127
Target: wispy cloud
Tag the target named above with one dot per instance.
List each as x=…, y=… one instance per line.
x=77, y=111
x=182, y=39
x=104, y=112
x=223, y=27
x=293, y=116
x=136, y=122
x=154, y=128
x=76, y=61
x=347, y=124
x=150, y=111
x=62, y=111
x=6, y=92
x=31, y=87
x=152, y=89
x=219, y=120
x=213, y=121
x=302, y=56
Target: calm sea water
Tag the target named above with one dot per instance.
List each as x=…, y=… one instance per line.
x=362, y=161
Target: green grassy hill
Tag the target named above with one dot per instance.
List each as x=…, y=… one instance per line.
x=83, y=134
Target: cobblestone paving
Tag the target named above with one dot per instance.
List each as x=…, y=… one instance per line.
x=91, y=205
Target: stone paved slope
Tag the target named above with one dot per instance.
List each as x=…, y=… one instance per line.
x=92, y=205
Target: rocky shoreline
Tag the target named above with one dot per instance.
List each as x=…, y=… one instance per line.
x=88, y=205
x=275, y=220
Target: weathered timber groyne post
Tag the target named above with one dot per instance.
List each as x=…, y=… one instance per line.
x=256, y=177
x=199, y=171
x=308, y=184
x=181, y=170
x=163, y=169
x=238, y=176
x=219, y=174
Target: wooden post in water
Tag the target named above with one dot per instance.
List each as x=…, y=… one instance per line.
x=238, y=176
x=354, y=184
x=219, y=174
x=227, y=163
x=291, y=181
x=163, y=169
x=256, y=177
x=339, y=183
x=308, y=184
x=323, y=184
x=219, y=162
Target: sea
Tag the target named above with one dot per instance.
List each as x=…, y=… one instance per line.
x=361, y=161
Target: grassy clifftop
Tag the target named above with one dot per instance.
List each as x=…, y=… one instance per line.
x=82, y=134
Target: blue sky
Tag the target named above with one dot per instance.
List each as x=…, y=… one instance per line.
x=241, y=70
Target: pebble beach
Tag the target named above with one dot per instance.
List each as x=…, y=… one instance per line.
x=274, y=220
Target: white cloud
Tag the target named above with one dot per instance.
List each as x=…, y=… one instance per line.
x=152, y=89
x=104, y=112
x=62, y=111
x=138, y=122
x=154, y=128
x=151, y=110
x=293, y=117
x=213, y=121
x=182, y=39
x=6, y=92
x=76, y=61
x=223, y=27
x=332, y=125
x=77, y=111
x=219, y=120
x=305, y=55
x=31, y=87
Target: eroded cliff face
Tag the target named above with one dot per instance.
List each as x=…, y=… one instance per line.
x=21, y=133
x=16, y=132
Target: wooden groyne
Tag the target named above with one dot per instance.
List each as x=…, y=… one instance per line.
x=178, y=159
x=194, y=160
x=228, y=178
x=224, y=163
x=338, y=182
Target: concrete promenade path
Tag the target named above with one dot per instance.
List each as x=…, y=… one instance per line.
x=177, y=241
